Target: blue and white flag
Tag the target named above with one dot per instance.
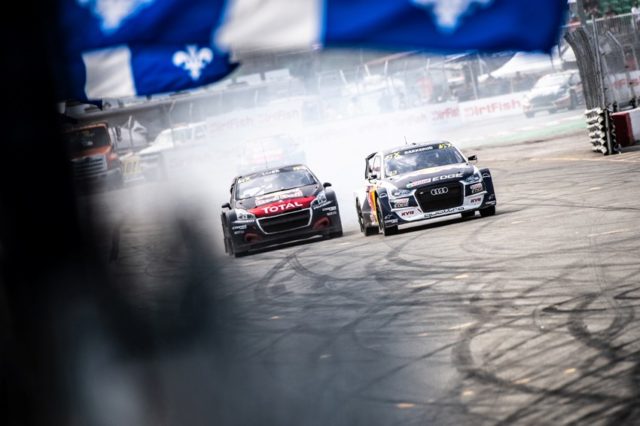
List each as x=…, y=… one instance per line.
x=434, y=25
x=120, y=48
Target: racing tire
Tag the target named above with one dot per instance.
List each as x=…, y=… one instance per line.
x=386, y=231
x=240, y=253
x=371, y=230
x=336, y=234
x=228, y=247
x=366, y=230
x=360, y=218
x=489, y=211
x=236, y=253
x=466, y=214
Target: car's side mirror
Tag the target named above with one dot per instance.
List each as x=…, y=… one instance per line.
x=326, y=184
x=226, y=206
x=472, y=159
x=373, y=176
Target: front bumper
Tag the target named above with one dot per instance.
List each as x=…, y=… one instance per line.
x=266, y=231
x=473, y=196
x=109, y=176
x=415, y=214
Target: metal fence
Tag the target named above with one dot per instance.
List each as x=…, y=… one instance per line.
x=607, y=51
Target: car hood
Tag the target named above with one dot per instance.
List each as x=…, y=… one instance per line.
x=281, y=201
x=432, y=175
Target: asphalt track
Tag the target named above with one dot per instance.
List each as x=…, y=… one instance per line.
x=527, y=317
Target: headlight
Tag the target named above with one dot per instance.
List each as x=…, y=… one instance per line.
x=401, y=192
x=321, y=198
x=476, y=177
x=244, y=215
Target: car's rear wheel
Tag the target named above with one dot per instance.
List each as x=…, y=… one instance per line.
x=366, y=230
x=360, y=218
x=371, y=230
x=386, y=230
x=489, y=211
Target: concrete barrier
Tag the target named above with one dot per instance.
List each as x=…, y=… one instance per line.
x=627, y=126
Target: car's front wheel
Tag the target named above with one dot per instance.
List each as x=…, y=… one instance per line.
x=386, y=230
x=337, y=233
x=489, y=211
x=231, y=249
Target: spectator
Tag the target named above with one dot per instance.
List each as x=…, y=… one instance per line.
x=610, y=12
x=635, y=11
x=594, y=11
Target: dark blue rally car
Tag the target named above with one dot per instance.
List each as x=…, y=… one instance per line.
x=416, y=182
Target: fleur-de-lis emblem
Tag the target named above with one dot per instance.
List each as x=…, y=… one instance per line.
x=193, y=60
x=448, y=13
x=112, y=13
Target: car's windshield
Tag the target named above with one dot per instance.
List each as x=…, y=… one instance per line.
x=273, y=181
x=81, y=140
x=552, y=80
x=424, y=157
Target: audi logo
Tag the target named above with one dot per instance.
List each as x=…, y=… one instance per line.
x=439, y=191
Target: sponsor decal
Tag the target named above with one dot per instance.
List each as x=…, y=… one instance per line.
x=389, y=217
x=400, y=202
x=433, y=179
x=282, y=206
x=330, y=209
x=238, y=232
x=277, y=196
x=382, y=195
x=444, y=212
x=409, y=213
x=317, y=206
x=332, y=213
x=492, y=108
x=392, y=156
x=271, y=172
x=413, y=151
x=476, y=187
x=238, y=227
x=440, y=191
x=445, y=113
x=476, y=200
x=390, y=221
